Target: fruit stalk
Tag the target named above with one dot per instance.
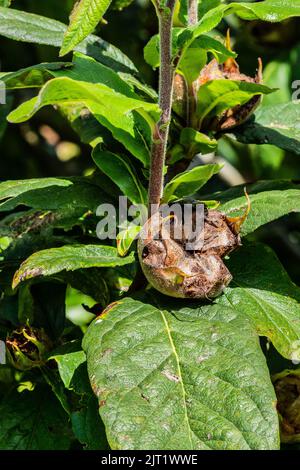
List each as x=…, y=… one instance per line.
x=166, y=77
x=193, y=12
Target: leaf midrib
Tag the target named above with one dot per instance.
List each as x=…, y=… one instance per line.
x=179, y=375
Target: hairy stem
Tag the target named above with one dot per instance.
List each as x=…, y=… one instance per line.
x=193, y=12
x=166, y=78
x=192, y=100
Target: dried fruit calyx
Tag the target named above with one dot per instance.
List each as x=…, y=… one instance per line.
x=175, y=271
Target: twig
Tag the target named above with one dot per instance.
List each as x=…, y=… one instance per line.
x=166, y=79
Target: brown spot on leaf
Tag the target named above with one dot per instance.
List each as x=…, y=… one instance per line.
x=108, y=309
x=178, y=272
x=145, y=398
x=171, y=376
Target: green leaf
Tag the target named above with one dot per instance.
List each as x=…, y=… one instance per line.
x=187, y=183
x=268, y=10
x=4, y=111
x=88, y=427
x=277, y=125
x=86, y=423
x=28, y=27
x=99, y=98
x=69, y=199
x=69, y=358
x=52, y=378
x=32, y=77
x=86, y=126
x=111, y=109
x=196, y=142
x=9, y=189
x=84, y=19
x=216, y=96
x=194, y=57
x=126, y=237
x=25, y=305
x=68, y=258
x=120, y=4
x=205, y=5
x=262, y=290
x=33, y=421
x=122, y=174
x=199, y=383
x=87, y=69
x=90, y=282
x=278, y=73
x=270, y=200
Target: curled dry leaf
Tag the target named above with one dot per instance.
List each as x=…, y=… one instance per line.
x=176, y=271
x=26, y=347
x=230, y=70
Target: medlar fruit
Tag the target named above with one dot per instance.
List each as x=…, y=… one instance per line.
x=174, y=270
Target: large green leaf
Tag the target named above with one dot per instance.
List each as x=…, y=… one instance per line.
x=69, y=199
x=122, y=174
x=87, y=69
x=69, y=359
x=277, y=125
x=112, y=109
x=262, y=290
x=165, y=383
x=88, y=427
x=33, y=421
x=28, y=27
x=84, y=18
x=187, y=183
x=196, y=142
x=270, y=200
x=99, y=98
x=268, y=10
x=204, y=42
x=68, y=258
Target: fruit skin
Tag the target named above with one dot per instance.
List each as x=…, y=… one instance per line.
x=176, y=272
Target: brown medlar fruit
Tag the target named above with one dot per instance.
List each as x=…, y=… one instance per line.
x=174, y=270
